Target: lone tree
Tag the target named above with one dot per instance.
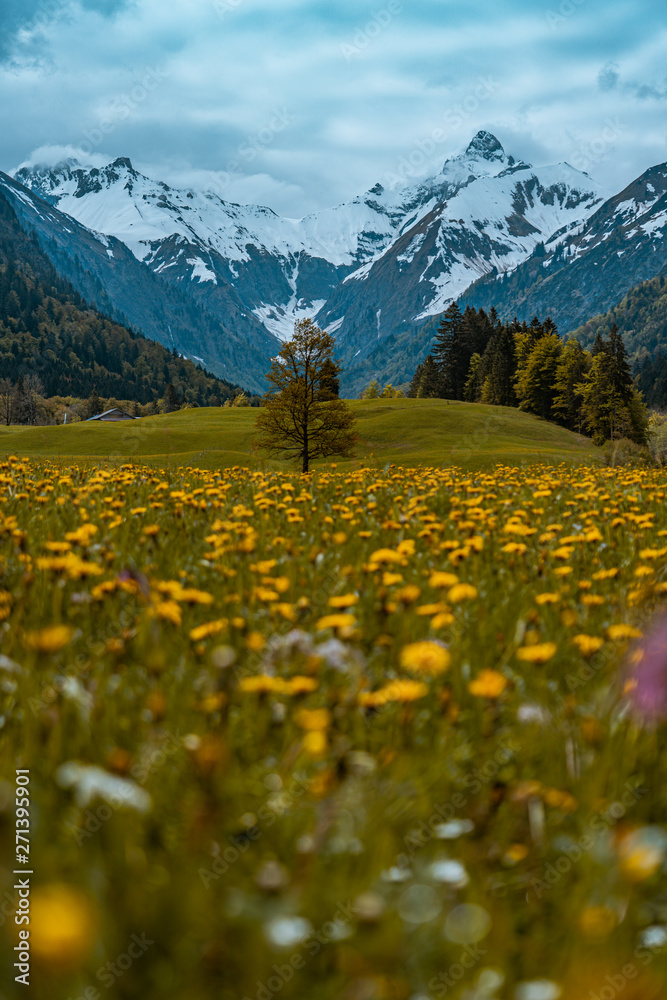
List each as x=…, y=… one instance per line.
x=302, y=416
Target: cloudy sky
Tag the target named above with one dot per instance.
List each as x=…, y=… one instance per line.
x=302, y=104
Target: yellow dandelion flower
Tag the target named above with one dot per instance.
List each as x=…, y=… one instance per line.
x=82, y=535
x=169, y=611
x=191, y=596
x=488, y=684
x=336, y=621
x=51, y=639
x=265, y=594
x=547, y=598
x=425, y=610
x=255, y=642
x=62, y=924
x=515, y=548
x=587, y=644
x=300, y=685
x=442, y=620
x=620, y=632
x=539, y=653
x=261, y=684
x=605, y=574
x=286, y=611
x=426, y=657
x=408, y=594
x=151, y=530
x=440, y=579
x=343, y=601
x=564, y=552
x=386, y=556
x=462, y=592
x=58, y=546
x=313, y=718
x=404, y=690
x=315, y=743
x=208, y=629
x=100, y=590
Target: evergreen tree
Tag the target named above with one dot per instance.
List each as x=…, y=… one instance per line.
x=535, y=381
x=497, y=369
x=571, y=370
x=171, y=400
x=450, y=356
x=598, y=344
x=431, y=379
x=413, y=389
x=93, y=406
x=611, y=406
x=472, y=387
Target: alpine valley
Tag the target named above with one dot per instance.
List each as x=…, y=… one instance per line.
x=223, y=283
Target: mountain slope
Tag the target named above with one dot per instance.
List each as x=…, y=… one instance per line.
x=46, y=329
x=372, y=268
x=106, y=273
x=585, y=272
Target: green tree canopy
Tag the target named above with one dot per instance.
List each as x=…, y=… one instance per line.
x=299, y=419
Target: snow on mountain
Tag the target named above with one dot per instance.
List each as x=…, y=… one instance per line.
x=387, y=259
x=484, y=213
x=587, y=269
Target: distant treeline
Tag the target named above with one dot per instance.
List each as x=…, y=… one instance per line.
x=527, y=365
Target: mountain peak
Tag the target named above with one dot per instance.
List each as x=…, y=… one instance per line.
x=487, y=146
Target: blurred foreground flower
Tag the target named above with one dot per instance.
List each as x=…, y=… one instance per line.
x=488, y=684
x=642, y=852
x=649, y=690
x=90, y=782
x=62, y=924
x=427, y=658
x=50, y=639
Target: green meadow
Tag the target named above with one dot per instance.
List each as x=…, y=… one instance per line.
x=431, y=432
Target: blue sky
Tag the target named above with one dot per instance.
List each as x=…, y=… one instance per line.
x=302, y=104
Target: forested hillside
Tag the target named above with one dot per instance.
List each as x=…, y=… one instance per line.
x=641, y=318
x=48, y=331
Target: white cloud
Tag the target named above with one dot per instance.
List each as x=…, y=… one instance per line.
x=222, y=76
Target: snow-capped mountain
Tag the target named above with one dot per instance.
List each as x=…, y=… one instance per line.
x=379, y=265
x=586, y=272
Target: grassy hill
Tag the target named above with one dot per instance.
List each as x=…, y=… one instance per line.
x=406, y=432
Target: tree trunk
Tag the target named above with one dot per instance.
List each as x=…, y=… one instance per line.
x=304, y=453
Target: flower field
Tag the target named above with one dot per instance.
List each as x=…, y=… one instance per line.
x=361, y=735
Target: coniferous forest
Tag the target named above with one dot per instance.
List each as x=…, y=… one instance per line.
x=527, y=365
